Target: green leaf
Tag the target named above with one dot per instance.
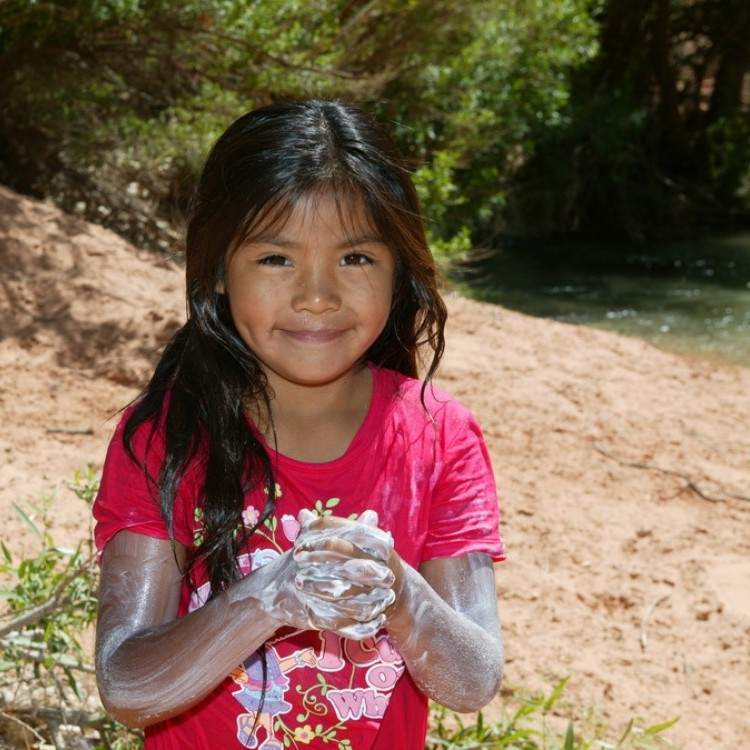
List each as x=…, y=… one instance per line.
x=555, y=695
x=569, y=743
x=658, y=728
x=29, y=523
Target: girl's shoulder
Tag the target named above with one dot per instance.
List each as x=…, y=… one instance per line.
x=142, y=433
x=419, y=399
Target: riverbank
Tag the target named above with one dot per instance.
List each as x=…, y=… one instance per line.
x=622, y=470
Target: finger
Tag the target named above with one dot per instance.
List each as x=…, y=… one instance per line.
x=321, y=615
x=305, y=517
x=323, y=551
x=360, y=572
x=360, y=607
x=364, y=608
x=360, y=631
x=330, y=589
x=368, y=517
x=348, y=610
x=370, y=540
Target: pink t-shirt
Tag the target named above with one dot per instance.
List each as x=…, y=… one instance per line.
x=428, y=476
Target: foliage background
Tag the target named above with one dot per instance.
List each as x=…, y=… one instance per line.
x=534, y=118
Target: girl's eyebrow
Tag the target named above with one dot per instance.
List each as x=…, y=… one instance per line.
x=278, y=240
x=362, y=239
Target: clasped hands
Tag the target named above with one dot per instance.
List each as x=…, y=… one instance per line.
x=339, y=576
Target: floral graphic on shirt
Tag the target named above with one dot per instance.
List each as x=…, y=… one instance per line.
x=250, y=516
x=290, y=526
x=199, y=529
x=321, y=509
x=304, y=734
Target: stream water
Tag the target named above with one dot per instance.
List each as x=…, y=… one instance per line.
x=689, y=296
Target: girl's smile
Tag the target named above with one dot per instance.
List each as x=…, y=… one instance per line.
x=311, y=294
x=311, y=336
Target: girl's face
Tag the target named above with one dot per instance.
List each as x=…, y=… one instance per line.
x=311, y=294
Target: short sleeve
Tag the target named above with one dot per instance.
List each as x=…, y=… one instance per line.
x=464, y=513
x=127, y=500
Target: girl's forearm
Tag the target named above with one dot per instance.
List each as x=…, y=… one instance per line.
x=146, y=675
x=454, y=657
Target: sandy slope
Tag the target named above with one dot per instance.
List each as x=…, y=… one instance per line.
x=624, y=472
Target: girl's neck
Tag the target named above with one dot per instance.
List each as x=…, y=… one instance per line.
x=315, y=424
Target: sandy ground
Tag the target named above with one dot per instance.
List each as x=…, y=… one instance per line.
x=624, y=471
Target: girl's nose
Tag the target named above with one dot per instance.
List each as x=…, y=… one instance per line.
x=316, y=291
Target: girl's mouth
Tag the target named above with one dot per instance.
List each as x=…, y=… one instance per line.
x=313, y=336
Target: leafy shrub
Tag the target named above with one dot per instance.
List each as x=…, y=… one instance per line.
x=47, y=690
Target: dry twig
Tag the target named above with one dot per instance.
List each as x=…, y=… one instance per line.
x=56, y=600
x=691, y=483
x=24, y=726
x=647, y=614
x=70, y=430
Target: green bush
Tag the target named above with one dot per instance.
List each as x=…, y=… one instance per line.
x=110, y=105
x=47, y=685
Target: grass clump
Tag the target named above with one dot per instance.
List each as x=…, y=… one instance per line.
x=535, y=721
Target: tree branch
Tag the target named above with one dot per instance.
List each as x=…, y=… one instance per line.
x=56, y=600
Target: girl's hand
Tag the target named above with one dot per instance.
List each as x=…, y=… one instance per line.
x=318, y=532
x=283, y=600
x=346, y=569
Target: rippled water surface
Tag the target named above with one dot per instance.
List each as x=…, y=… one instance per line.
x=692, y=296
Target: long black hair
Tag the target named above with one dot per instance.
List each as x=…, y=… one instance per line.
x=256, y=173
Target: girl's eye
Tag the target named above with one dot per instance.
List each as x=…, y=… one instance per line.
x=356, y=259
x=273, y=260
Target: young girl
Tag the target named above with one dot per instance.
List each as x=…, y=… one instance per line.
x=296, y=534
